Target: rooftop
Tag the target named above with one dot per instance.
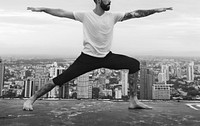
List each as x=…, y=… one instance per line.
x=99, y=113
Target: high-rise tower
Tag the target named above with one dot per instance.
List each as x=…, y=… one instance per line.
x=165, y=70
x=2, y=68
x=147, y=79
x=84, y=87
x=190, y=71
x=124, y=82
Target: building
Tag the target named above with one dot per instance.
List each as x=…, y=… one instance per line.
x=161, y=91
x=41, y=78
x=178, y=72
x=52, y=72
x=198, y=68
x=29, y=88
x=52, y=69
x=41, y=72
x=107, y=92
x=124, y=82
x=165, y=70
x=118, y=92
x=162, y=78
x=57, y=92
x=84, y=87
x=147, y=79
x=2, y=69
x=190, y=72
x=64, y=89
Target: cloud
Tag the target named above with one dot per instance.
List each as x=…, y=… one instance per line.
x=2, y=10
x=16, y=22
x=31, y=18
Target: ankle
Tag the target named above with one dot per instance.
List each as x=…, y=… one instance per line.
x=134, y=97
x=31, y=100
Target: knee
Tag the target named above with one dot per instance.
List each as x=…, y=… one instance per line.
x=138, y=64
x=135, y=67
x=51, y=81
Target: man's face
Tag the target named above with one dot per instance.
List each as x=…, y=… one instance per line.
x=105, y=5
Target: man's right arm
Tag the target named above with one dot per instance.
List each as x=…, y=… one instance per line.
x=54, y=12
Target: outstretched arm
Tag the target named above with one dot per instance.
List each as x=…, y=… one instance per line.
x=54, y=12
x=143, y=13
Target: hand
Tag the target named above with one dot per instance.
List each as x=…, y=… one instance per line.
x=35, y=9
x=164, y=9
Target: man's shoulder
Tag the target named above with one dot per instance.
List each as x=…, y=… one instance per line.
x=82, y=12
x=115, y=13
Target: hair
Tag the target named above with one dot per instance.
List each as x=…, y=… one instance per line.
x=95, y=1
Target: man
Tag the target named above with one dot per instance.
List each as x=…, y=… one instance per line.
x=98, y=32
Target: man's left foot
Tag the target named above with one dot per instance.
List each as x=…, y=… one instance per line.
x=28, y=105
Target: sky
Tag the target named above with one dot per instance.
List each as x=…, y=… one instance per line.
x=172, y=33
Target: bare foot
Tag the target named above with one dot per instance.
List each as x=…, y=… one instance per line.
x=28, y=105
x=138, y=105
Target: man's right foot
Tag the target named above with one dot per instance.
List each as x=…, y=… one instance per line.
x=139, y=105
x=28, y=105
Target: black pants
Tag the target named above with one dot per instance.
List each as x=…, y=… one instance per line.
x=85, y=63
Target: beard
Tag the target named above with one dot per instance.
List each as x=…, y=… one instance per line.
x=105, y=7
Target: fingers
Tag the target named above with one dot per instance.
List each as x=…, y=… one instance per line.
x=34, y=9
x=170, y=8
x=164, y=9
x=30, y=8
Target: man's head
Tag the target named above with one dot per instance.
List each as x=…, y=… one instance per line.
x=104, y=4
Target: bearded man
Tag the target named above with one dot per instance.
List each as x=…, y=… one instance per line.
x=98, y=27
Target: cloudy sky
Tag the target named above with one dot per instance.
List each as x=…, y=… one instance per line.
x=174, y=32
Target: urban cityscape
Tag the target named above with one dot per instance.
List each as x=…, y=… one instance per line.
x=160, y=78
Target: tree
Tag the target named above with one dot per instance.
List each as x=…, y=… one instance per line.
x=193, y=92
x=10, y=94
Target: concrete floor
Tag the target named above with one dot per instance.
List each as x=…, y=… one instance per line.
x=98, y=113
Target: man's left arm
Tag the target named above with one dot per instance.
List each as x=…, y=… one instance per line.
x=143, y=13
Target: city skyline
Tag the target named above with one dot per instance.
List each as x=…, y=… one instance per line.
x=171, y=33
x=32, y=77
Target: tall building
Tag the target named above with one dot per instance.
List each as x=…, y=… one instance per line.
x=84, y=87
x=41, y=72
x=161, y=78
x=29, y=88
x=198, y=68
x=178, y=72
x=64, y=89
x=41, y=78
x=165, y=70
x=161, y=91
x=57, y=91
x=147, y=79
x=124, y=82
x=2, y=68
x=52, y=70
x=190, y=72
